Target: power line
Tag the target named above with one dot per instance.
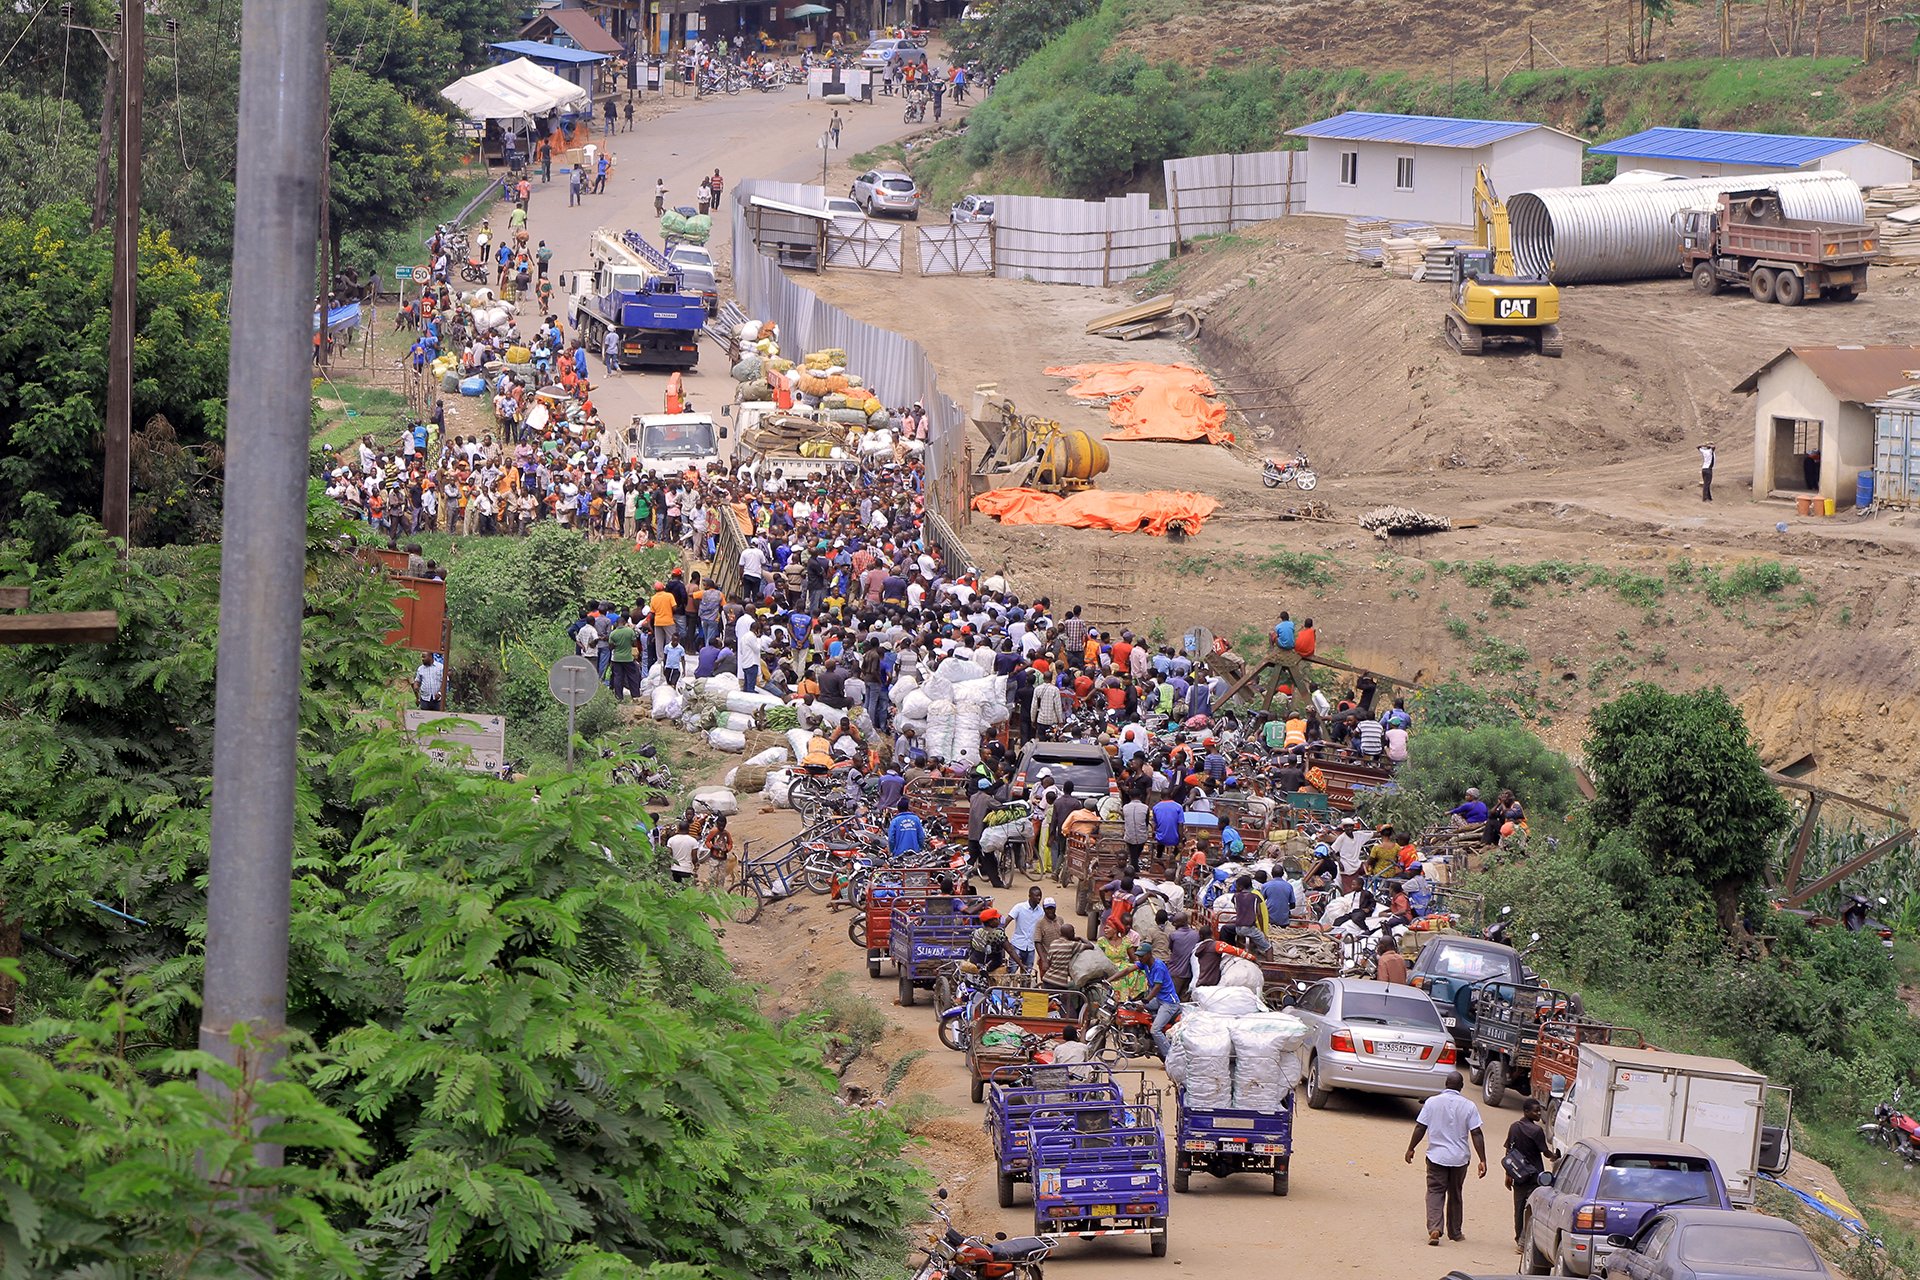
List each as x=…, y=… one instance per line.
x=23, y=31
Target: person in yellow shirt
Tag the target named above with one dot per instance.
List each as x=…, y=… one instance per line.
x=1383, y=859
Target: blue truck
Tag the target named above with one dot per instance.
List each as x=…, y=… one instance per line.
x=637, y=294
x=1222, y=1143
x=925, y=934
x=1100, y=1169
x=1022, y=1098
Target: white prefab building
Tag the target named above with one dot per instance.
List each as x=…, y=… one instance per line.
x=1716, y=153
x=1421, y=168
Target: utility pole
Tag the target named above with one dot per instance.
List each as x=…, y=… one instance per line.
x=126, y=51
x=264, y=540
x=326, y=212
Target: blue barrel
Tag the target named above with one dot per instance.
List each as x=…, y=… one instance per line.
x=1863, y=491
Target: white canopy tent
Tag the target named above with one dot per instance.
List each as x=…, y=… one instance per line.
x=517, y=90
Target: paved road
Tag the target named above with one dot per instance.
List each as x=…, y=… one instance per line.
x=747, y=135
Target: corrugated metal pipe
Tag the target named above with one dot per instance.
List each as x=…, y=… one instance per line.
x=1625, y=231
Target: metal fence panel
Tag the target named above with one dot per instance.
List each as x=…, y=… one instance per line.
x=957, y=249
x=1207, y=195
x=864, y=243
x=1080, y=242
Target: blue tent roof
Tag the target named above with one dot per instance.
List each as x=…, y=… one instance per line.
x=1426, y=131
x=541, y=51
x=1713, y=146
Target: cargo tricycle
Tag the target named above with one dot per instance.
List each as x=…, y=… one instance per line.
x=1100, y=1169
x=1038, y=1011
x=1221, y=1143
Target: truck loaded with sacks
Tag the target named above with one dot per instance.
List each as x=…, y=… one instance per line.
x=808, y=417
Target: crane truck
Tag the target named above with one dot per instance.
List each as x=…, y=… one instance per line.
x=1492, y=301
x=635, y=292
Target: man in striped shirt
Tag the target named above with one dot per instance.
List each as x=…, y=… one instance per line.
x=1369, y=738
x=1074, y=630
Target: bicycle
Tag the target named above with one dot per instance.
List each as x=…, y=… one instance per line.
x=762, y=881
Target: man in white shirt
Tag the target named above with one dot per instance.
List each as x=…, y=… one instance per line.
x=1448, y=1122
x=751, y=564
x=748, y=647
x=429, y=678
x=682, y=848
x=1350, y=848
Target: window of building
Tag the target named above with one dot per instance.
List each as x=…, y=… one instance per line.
x=1349, y=168
x=1403, y=174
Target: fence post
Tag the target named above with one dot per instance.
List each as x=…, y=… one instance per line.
x=1286, y=208
x=1233, y=188
x=1106, y=265
x=1173, y=202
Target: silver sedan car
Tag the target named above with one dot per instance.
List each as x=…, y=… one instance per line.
x=1373, y=1037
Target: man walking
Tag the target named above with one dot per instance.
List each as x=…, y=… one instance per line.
x=1706, y=471
x=610, y=351
x=833, y=128
x=429, y=679
x=575, y=182
x=1448, y=1122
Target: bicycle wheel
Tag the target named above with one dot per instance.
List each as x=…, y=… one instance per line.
x=748, y=903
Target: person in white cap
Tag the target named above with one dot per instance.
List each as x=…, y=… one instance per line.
x=1048, y=930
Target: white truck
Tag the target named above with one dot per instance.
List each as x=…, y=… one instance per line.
x=765, y=450
x=667, y=444
x=1714, y=1104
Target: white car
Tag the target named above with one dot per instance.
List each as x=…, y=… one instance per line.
x=972, y=209
x=879, y=191
x=844, y=207
x=690, y=255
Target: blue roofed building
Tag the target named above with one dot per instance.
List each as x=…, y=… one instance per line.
x=1717, y=153
x=570, y=63
x=1421, y=168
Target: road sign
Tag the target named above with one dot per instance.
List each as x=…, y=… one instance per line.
x=422, y=274
x=484, y=736
x=573, y=681
x=403, y=273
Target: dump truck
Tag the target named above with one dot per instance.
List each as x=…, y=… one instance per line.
x=1715, y=1104
x=1746, y=241
x=635, y=292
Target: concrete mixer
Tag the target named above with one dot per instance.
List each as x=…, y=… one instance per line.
x=1028, y=451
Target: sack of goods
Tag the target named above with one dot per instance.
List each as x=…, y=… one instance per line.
x=1091, y=965
x=727, y=740
x=720, y=800
x=779, y=787
x=1266, y=1060
x=1200, y=1060
x=1235, y=972
x=1229, y=1002
x=750, y=778
x=1008, y=814
x=667, y=704
x=996, y=839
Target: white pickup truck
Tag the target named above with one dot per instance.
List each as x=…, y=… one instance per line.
x=750, y=447
x=667, y=444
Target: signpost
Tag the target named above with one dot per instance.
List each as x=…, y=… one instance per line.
x=485, y=736
x=573, y=682
x=403, y=273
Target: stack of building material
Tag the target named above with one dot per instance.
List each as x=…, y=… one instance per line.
x=1405, y=251
x=1363, y=236
x=1391, y=520
x=1438, y=262
x=1894, y=212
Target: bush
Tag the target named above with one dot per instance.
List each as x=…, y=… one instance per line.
x=624, y=577
x=1585, y=932
x=556, y=569
x=487, y=590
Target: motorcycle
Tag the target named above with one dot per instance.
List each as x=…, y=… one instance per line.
x=1275, y=473
x=473, y=271
x=952, y=1255
x=1120, y=1029
x=1855, y=918
x=1894, y=1129
x=916, y=109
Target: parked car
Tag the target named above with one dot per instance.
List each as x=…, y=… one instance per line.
x=1605, y=1187
x=972, y=209
x=690, y=255
x=1448, y=970
x=1707, y=1244
x=1084, y=764
x=1373, y=1037
x=880, y=191
x=701, y=280
x=844, y=207
x=886, y=55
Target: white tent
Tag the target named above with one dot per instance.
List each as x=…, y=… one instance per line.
x=517, y=90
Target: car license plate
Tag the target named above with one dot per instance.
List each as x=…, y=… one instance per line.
x=1105, y=1211
x=1397, y=1049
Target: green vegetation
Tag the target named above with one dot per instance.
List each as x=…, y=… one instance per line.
x=345, y=410
x=523, y=1051
x=1302, y=568
x=1094, y=116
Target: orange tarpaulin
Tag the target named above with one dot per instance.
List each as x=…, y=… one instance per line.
x=1091, y=509
x=1151, y=401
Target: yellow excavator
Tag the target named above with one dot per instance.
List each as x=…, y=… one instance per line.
x=1492, y=301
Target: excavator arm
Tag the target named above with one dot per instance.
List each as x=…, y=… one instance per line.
x=1490, y=225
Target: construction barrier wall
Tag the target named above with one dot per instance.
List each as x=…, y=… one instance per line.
x=896, y=368
x=1084, y=242
x=1209, y=195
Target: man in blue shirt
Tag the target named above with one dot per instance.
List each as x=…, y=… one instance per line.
x=1167, y=817
x=1279, y=896
x=1021, y=922
x=905, y=834
x=1162, y=999
x=892, y=787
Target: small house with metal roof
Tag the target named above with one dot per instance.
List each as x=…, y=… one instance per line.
x=1715, y=153
x=1813, y=424
x=1421, y=168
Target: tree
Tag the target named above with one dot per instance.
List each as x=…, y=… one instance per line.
x=416, y=54
x=1678, y=775
x=1015, y=30
x=1443, y=762
x=476, y=24
x=56, y=277
x=39, y=172
x=390, y=157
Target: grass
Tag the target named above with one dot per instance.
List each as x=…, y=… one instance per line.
x=1302, y=568
x=1497, y=657
x=345, y=411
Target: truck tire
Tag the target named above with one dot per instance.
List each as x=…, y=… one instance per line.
x=1494, y=1081
x=873, y=965
x=906, y=992
x=1706, y=280
x=1789, y=290
x=1006, y=1189
x=1159, y=1245
x=1182, y=1174
x=1760, y=284
x=1280, y=1183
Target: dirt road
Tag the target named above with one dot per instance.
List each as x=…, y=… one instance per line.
x=1353, y=1203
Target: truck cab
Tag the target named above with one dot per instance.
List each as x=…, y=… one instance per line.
x=667, y=444
x=1455, y=970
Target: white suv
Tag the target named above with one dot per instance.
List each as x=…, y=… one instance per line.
x=881, y=191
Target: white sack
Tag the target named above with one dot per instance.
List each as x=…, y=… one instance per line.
x=720, y=800
x=901, y=688
x=779, y=788
x=1235, y=972
x=915, y=706
x=1091, y=965
x=1227, y=1001
x=738, y=721
x=727, y=740
x=798, y=740
x=769, y=758
x=751, y=702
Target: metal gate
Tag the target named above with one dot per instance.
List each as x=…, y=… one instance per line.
x=865, y=243
x=957, y=249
